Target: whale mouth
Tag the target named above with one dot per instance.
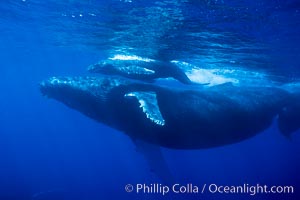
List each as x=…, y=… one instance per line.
x=43, y=88
x=53, y=85
x=66, y=89
x=62, y=88
x=84, y=94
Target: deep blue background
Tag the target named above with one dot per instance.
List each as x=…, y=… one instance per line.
x=50, y=149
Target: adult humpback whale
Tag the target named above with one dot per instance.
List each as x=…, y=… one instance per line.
x=139, y=68
x=179, y=118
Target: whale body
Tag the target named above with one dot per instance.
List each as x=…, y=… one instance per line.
x=189, y=118
x=138, y=68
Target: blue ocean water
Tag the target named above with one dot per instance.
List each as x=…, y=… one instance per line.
x=49, y=151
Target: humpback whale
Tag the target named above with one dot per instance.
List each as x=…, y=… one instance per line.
x=146, y=69
x=139, y=68
x=179, y=118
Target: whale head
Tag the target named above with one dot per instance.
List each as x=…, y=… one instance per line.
x=107, y=100
x=103, y=66
x=89, y=95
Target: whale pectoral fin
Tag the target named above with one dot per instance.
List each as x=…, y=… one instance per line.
x=148, y=102
x=154, y=157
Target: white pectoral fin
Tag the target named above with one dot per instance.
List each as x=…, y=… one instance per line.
x=148, y=103
x=154, y=156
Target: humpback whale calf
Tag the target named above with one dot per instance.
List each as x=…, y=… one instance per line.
x=179, y=118
x=139, y=68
